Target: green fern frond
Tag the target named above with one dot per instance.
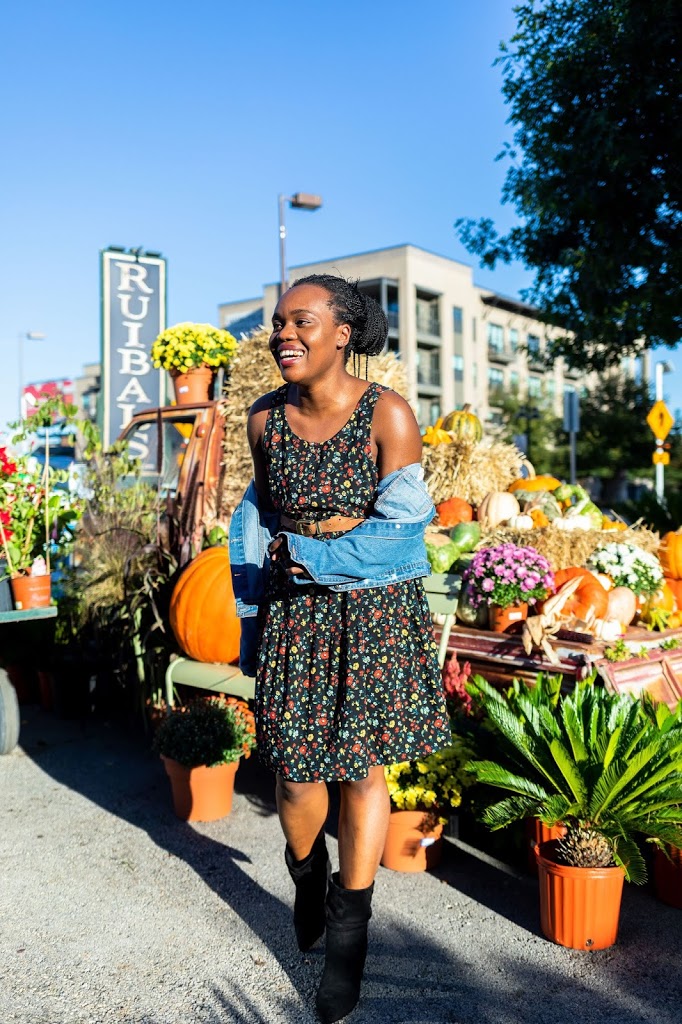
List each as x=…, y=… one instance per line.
x=569, y=770
x=509, y=810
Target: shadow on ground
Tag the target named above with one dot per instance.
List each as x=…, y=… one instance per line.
x=411, y=978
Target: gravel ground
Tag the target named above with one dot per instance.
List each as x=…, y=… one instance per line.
x=111, y=910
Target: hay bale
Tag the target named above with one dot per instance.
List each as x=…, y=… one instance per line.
x=466, y=470
x=564, y=548
x=254, y=373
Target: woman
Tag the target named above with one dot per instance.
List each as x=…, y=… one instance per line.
x=347, y=678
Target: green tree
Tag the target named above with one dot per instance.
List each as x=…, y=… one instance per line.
x=594, y=91
x=546, y=441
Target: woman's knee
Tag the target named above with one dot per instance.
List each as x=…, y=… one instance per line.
x=373, y=784
x=299, y=792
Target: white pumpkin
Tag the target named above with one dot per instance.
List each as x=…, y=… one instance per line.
x=607, y=629
x=496, y=508
x=520, y=522
x=574, y=523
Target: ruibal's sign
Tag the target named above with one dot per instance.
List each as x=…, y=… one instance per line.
x=133, y=314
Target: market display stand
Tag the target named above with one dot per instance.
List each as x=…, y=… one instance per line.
x=9, y=705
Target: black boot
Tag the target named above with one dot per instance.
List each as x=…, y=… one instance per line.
x=310, y=876
x=348, y=914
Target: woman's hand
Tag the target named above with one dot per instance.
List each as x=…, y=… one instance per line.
x=280, y=553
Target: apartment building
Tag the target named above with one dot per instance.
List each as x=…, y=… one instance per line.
x=460, y=343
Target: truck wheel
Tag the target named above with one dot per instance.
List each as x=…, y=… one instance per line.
x=9, y=715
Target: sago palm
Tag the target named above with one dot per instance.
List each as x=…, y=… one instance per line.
x=608, y=767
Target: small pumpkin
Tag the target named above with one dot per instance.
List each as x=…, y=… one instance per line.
x=612, y=524
x=539, y=518
x=622, y=606
x=670, y=555
x=589, y=600
x=495, y=508
x=464, y=425
x=535, y=483
x=454, y=511
x=203, y=610
x=520, y=522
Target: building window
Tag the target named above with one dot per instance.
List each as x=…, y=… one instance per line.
x=495, y=386
x=513, y=339
x=458, y=367
x=550, y=387
x=533, y=346
x=428, y=314
x=495, y=339
x=458, y=328
x=393, y=344
x=569, y=389
x=428, y=366
x=428, y=410
x=392, y=308
x=514, y=381
x=534, y=387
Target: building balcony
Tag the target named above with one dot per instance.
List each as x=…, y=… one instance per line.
x=393, y=318
x=428, y=326
x=497, y=355
x=430, y=378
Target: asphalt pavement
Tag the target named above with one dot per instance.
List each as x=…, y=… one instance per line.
x=114, y=912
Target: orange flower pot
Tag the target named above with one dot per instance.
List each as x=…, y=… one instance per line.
x=579, y=907
x=31, y=591
x=201, y=794
x=194, y=386
x=536, y=834
x=412, y=843
x=668, y=876
x=503, y=620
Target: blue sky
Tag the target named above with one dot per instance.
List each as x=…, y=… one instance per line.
x=175, y=126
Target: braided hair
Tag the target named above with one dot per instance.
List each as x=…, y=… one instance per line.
x=366, y=318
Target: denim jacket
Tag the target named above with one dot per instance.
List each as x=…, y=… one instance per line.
x=388, y=547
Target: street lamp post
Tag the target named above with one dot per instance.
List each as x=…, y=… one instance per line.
x=299, y=201
x=661, y=368
x=24, y=336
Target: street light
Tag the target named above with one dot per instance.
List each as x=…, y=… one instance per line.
x=24, y=336
x=661, y=368
x=299, y=201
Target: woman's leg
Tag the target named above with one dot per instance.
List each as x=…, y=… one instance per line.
x=363, y=823
x=303, y=808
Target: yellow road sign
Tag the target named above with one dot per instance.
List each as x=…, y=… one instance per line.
x=660, y=420
x=660, y=458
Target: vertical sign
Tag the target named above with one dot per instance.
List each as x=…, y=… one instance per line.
x=133, y=314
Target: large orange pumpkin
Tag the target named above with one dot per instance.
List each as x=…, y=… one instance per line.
x=589, y=598
x=676, y=587
x=670, y=555
x=454, y=511
x=203, y=611
x=535, y=483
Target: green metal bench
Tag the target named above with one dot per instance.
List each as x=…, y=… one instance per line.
x=442, y=591
x=220, y=678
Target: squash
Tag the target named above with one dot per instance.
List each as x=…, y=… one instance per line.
x=622, y=606
x=676, y=587
x=454, y=511
x=539, y=518
x=612, y=524
x=535, y=483
x=589, y=600
x=466, y=536
x=658, y=608
x=203, y=611
x=463, y=425
x=520, y=522
x=495, y=508
x=670, y=555
x=466, y=613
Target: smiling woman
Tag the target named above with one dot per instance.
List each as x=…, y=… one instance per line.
x=347, y=678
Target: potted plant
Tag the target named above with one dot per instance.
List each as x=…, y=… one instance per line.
x=507, y=578
x=33, y=515
x=629, y=566
x=192, y=353
x=608, y=768
x=421, y=792
x=201, y=746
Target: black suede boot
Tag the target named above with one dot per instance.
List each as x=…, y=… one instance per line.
x=348, y=914
x=310, y=876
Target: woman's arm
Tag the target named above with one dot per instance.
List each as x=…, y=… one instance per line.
x=395, y=433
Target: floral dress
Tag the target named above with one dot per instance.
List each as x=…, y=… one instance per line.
x=344, y=680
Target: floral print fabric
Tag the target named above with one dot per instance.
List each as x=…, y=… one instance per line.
x=344, y=680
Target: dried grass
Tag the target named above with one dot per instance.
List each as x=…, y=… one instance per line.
x=564, y=548
x=470, y=471
x=254, y=373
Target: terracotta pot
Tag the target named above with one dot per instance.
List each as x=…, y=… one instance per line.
x=408, y=847
x=579, y=907
x=536, y=834
x=503, y=620
x=668, y=876
x=31, y=591
x=201, y=794
x=194, y=386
